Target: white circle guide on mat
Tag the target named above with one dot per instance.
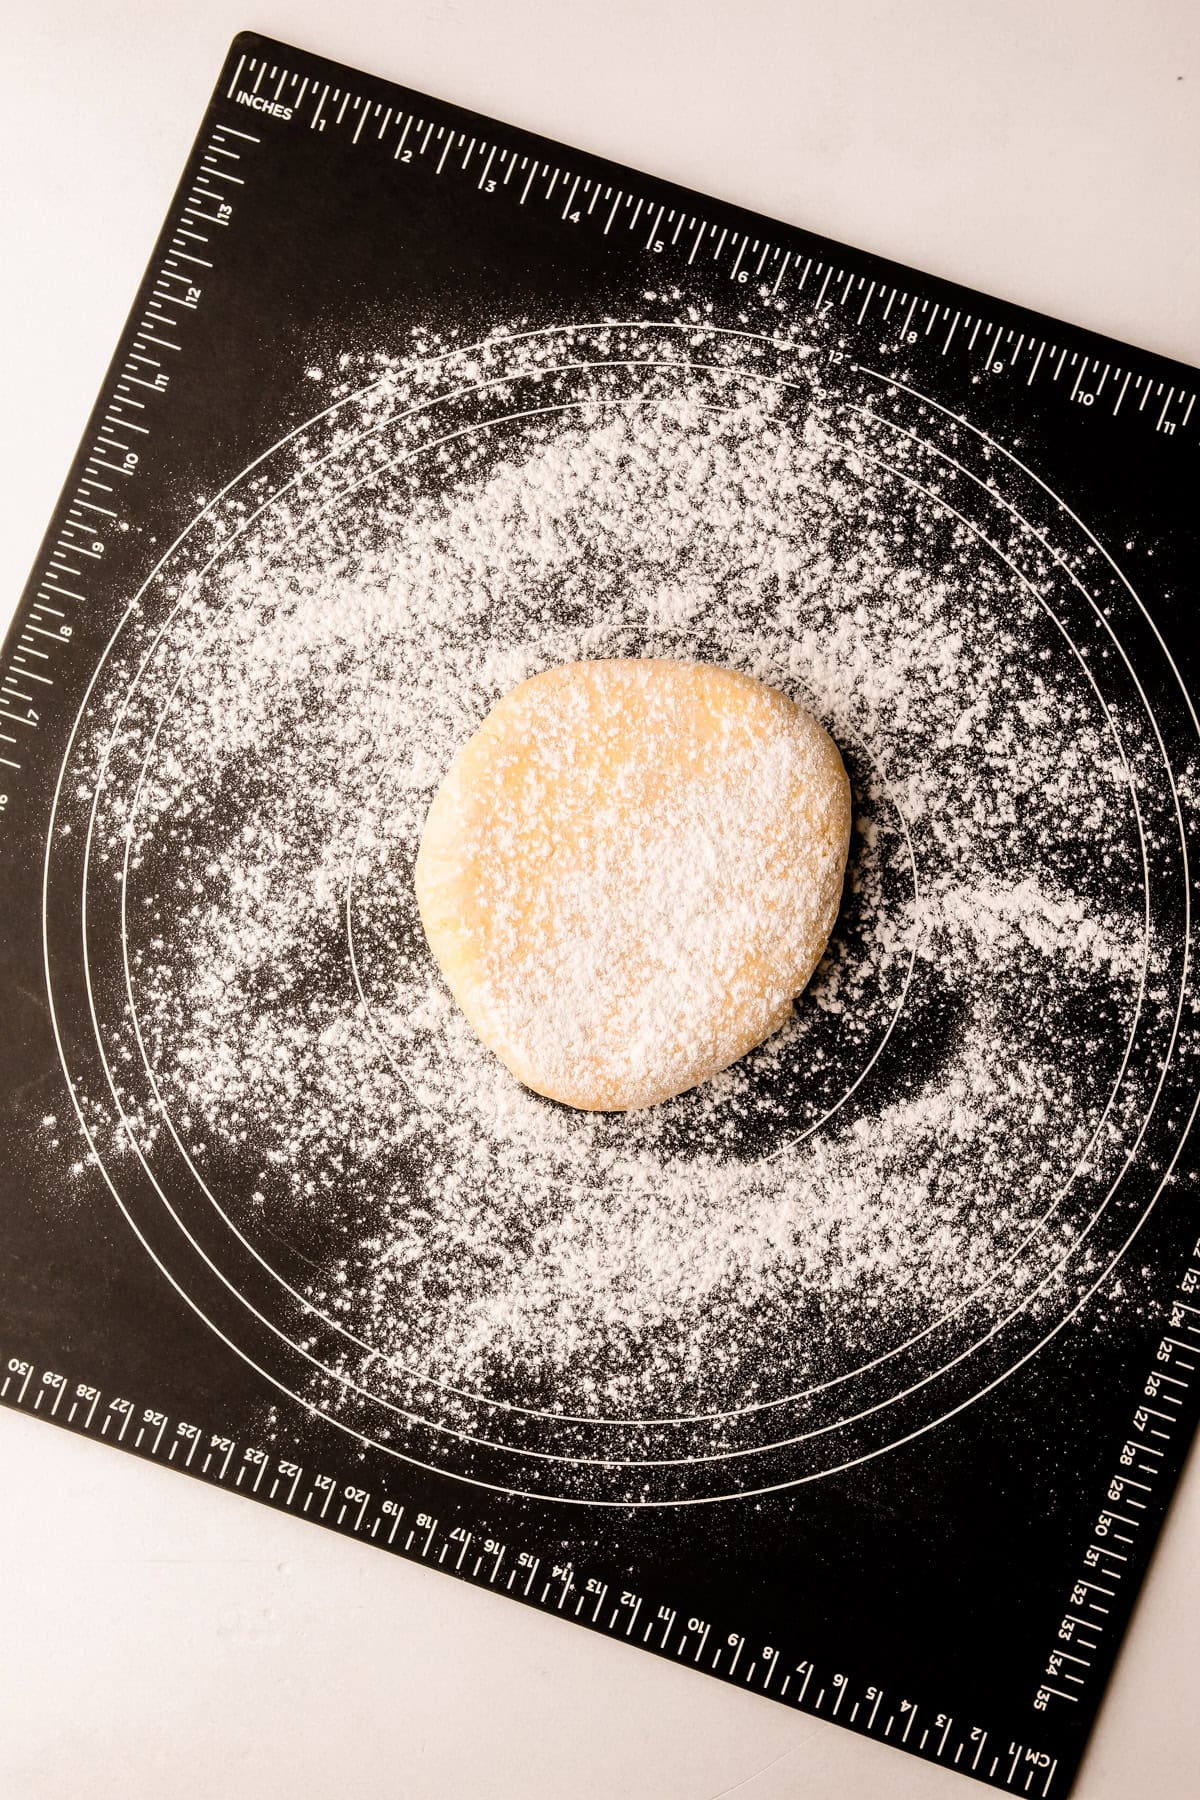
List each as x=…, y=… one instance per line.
x=225, y=547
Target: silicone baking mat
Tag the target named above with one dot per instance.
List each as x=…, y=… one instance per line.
x=859, y=1377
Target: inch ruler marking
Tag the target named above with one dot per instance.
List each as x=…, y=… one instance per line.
x=735, y=256
x=176, y=287
x=114, y=455
x=92, y=513
x=343, y=1505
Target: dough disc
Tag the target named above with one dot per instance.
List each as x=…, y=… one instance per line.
x=630, y=871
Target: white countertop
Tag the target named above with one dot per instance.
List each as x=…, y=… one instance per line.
x=161, y=1638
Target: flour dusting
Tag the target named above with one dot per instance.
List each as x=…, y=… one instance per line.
x=629, y=873
x=901, y=1165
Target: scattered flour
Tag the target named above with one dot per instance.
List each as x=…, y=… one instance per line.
x=906, y=1152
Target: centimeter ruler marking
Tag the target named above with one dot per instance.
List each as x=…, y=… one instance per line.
x=554, y=1587
x=351, y=1509
x=119, y=447
x=559, y=1587
x=86, y=534
x=1138, y=1465
x=94, y=514
x=733, y=1655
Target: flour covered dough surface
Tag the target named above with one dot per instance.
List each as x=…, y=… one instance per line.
x=630, y=871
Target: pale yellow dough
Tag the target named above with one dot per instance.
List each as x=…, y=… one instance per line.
x=630, y=871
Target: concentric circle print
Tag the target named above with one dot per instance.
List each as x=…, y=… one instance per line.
x=851, y=1233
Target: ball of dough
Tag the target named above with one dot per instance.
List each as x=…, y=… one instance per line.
x=630, y=871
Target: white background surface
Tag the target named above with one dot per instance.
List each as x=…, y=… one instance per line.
x=162, y=1639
